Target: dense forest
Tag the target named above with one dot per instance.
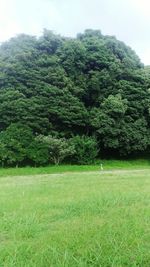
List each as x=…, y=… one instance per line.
x=72, y=99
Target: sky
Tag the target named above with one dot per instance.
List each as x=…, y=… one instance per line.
x=128, y=20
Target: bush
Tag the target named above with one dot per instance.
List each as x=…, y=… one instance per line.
x=38, y=152
x=58, y=149
x=14, y=143
x=86, y=149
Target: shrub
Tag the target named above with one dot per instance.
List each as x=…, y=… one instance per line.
x=58, y=148
x=86, y=149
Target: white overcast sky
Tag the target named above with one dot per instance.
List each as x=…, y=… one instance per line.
x=128, y=20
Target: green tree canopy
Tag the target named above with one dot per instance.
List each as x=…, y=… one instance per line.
x=91, y=85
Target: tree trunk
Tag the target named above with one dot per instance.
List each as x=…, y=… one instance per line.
x=56, y=161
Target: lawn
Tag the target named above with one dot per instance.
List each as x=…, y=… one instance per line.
x=76, y=219
x=107, y=165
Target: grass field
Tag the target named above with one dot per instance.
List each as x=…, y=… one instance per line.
x=107, y=164
x=76, y=219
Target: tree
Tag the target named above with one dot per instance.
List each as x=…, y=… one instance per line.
x=86, y=149
x=38, y=152
x=91, y=85
x=14, y=142
x=58, y=149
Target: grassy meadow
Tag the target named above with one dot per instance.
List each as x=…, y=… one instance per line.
x=107, y=165
x=71, y=216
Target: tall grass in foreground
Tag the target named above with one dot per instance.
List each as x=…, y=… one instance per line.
x=93, y=219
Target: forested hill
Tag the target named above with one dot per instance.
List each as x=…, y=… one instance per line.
x=80, y=94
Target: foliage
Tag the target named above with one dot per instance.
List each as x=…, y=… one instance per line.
x=14, y=144
x=91, y=85
x=38, y=152
x=58, y=149
x=86, y=149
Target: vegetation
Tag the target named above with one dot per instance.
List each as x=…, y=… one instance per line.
x=75, y=219
x=108, y=165
x=73, y=100
x=92, y=87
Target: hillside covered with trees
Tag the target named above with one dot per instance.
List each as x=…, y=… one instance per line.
x=72, y=99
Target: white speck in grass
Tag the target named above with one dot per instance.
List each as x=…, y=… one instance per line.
x=102, y=167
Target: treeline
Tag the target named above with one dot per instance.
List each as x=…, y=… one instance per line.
x=72, y=99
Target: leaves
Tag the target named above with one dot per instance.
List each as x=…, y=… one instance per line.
x=92, y=85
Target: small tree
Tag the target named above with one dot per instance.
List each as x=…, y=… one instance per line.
x=58, y=149
x=38, y=152
x=86, y=149
x=14, y=142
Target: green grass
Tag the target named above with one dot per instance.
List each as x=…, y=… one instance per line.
x=107, y=164
x=71, y=219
